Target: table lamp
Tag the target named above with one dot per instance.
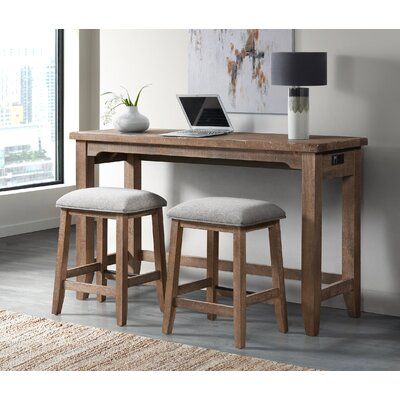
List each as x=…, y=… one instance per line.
x=296, y=69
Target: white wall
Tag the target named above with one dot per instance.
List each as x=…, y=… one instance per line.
x=362, y=98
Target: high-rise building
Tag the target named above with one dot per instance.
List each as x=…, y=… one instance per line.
x=51, y=99
x=26, y=93
x=28, y=102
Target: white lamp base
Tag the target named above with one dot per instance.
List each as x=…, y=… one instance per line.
x=298, y=111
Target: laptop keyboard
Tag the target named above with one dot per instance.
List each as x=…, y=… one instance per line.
x=197, y=132
x=206, y=132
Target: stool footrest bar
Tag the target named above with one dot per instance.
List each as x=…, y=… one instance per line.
x=83, y=270
x=337, y=288
x=261, y=297
x=205, y=306
x=144, y=278
x=251, y=269
x=89, y=288
x=193, y=286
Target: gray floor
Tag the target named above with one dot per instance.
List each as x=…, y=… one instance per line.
x=369, y=343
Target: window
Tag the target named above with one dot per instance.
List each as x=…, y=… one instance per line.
x=31, y=109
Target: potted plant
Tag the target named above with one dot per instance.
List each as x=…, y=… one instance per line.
x=130, y=121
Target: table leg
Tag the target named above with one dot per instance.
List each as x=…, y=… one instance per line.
x=133, y=180
x=351, y=235
x=84, y=226
x=311, y=242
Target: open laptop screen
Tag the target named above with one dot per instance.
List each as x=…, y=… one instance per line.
x=204, y=111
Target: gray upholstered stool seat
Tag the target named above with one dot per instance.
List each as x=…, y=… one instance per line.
x=227, y=211
x=112, y=200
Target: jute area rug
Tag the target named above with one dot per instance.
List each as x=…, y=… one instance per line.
x=29, y=343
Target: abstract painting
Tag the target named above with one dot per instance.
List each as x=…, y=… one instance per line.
x=236, y=64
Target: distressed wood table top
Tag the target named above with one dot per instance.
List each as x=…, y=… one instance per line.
x=236, y=140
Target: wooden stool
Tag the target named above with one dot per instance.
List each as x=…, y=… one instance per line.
x=237, y=216
x=102, y=204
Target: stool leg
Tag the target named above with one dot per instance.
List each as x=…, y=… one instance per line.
x=173, y=277
x=121, y=288
x=212, y=268
x=159, y=255
x=278, y=280
x=239, y=288
x=62, y=261
x=101, y=254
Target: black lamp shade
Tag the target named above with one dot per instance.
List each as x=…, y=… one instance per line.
x=298, y=69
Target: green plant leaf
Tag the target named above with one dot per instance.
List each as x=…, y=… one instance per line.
x=128, y=98
x=138, y=95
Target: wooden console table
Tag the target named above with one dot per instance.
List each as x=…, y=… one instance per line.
x=320, y=157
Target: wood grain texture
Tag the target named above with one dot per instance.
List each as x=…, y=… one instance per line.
x=61, y=262
x=120, y=258
x=143, y=278
x=101, y=254
x=262, y=297
x=338, y=170
x=351, y=235
x=239, y=288
x=252, y=150
x=205, y=307
x=212, y=268
x=345, y=287
x=241, y=298
x=133, y=180
x=278, y=281
x=311, y=242
x=236, y=140
x=90, y=288
x=84, y=225
x=251, y=268
x=217, y=155
x=193, y=286
x=109, y=215
x=223, y=228
x=83, y=270
x=159, y=255
x=121, y=287
x=171, y=290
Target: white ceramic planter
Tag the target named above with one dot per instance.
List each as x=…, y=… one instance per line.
x=131, y=121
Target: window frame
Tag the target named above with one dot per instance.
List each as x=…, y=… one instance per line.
x=59, y=115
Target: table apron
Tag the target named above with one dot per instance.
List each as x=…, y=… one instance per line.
x=292, y=160
x=109, y=152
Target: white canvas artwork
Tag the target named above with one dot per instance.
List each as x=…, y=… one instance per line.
x=236, y=64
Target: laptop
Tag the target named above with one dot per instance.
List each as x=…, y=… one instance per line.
x=205, y=115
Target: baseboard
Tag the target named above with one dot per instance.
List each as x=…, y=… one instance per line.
x=30, y=226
